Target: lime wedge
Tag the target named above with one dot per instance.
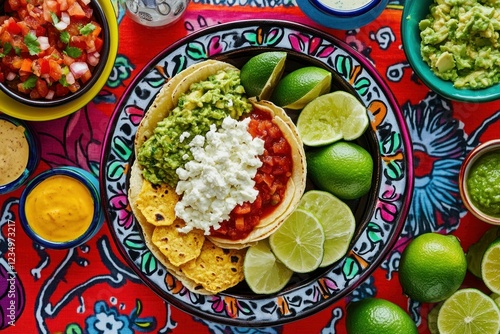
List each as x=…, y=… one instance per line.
x=261, y=73
x=469, y=311
x=337, y=220
x=432, y=319
x=298, y=88
x=476, y=250
x=298, y=242
x=264, y=274
x=490, y=267
x=331, y=117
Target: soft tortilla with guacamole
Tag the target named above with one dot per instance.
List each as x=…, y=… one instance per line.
x=214, y=173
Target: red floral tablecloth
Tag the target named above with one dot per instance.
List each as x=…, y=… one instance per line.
x=92, y=290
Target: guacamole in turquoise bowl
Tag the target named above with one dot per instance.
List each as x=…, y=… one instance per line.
x=413, y=13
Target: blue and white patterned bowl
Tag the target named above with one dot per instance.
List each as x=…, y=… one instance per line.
x=380, y=215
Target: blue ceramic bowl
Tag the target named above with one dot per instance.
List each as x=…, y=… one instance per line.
x=413, y=12
x=89, y=181
x=326, y=14
x=33, y=157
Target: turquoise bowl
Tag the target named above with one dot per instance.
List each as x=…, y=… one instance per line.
x=413, y=12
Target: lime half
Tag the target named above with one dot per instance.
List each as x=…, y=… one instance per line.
x=331, y=117
x=261, y=73
x=490, y=267
x=469, y=311
x=264, y=274
x=337, y=220
x=298, y=242
x=476, y=251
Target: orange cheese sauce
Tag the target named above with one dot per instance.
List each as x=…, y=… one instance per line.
x=59, y=209
x=14, y=152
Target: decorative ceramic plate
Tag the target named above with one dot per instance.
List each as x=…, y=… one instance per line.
x=29, y=113
x=380, y=215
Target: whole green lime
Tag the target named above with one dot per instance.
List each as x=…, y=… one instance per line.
x=344, y=169
x=432, y=267
x=378, y=316
x=261, y=73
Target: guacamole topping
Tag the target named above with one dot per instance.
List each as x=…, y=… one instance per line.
x=205, y=103
x=460, y=42
x=483, y=183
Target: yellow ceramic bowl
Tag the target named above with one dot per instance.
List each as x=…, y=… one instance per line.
x=22, y=111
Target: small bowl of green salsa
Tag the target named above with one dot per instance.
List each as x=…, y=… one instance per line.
x=479, y=182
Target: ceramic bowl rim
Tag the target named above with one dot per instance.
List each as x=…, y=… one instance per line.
x=102, y=19
x=84, y=177
x=470, y=159
x=346, y=12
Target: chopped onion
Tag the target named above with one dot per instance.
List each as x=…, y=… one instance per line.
x=78, y=68
x=10, y=76
x=65, y=18
x=86, y=1
x=44, y=42
x=50, y=95
x=61, y=25
x=70, y=79
x=93, y=58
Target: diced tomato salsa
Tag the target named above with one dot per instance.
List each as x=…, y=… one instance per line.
x=270, y=181
x=48, y=48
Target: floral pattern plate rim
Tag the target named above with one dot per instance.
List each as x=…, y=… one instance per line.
x=385, y=215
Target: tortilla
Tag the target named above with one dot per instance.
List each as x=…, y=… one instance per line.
x=219, y=264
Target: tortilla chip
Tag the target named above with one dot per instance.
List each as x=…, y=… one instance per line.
x=157, y=203
x=179, y=248
x=216, y=269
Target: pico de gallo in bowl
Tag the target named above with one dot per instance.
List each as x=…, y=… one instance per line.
x=51, y=51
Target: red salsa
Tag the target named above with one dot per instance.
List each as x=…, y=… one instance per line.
x=270, y=181
x=48, y=48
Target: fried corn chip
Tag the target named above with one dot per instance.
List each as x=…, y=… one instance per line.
x=157, y=203
x=179, y=248
x=216, y=269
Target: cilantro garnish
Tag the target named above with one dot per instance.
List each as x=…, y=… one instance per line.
x=7, y=47
x=64, y=37
x=73, y=51
x=30, y=82
x=63, y=81
x=87, y=29
x=32, y=43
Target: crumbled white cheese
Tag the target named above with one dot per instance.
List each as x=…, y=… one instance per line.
x=220, y=176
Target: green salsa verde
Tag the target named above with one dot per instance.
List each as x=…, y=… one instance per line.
x=206, y=102
x=483, y=183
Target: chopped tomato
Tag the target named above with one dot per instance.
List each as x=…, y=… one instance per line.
x=76, y=10
x=25, y=53
x=26, y=65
